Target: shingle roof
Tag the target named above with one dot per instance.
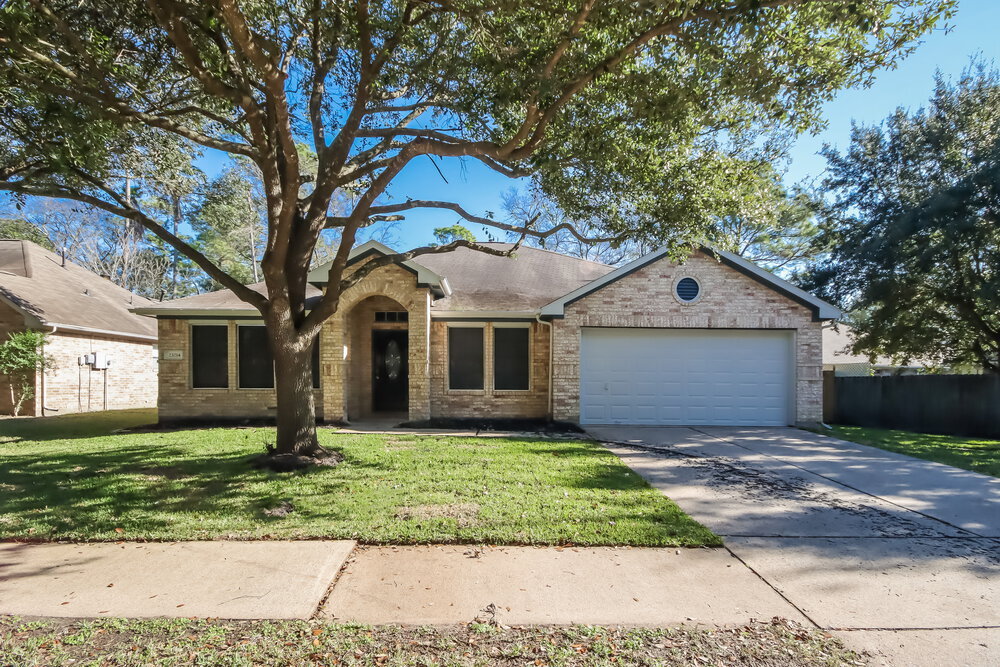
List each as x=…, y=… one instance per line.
x=479, y=282
x=526, y=281
x=34, y=281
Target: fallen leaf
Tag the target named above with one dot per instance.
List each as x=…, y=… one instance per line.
x=119, y=530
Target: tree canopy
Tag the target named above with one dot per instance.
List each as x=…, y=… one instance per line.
x=914, y=220
x=638, y=114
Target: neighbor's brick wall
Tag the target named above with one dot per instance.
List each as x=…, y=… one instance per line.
x=128, y=382
x=489, y=403
x=179, y=401
x=730, y=300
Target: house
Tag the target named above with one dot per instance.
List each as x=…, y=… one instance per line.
x=842, y=362
x=715, y=340
x=104, y=356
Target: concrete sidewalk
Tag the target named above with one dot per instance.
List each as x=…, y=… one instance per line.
x=531, y=585
x=281, y=580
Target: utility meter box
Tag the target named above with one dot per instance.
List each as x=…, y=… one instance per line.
x=101, y=361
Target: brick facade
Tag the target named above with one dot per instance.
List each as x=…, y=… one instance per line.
x=729, y=300
x=490, y=403
x=644, y=298
x=128, y=382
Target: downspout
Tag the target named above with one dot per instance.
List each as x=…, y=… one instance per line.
x=538, y=318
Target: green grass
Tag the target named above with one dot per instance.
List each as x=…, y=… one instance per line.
x=976, y=454
x=199, y=642
x=70, y=478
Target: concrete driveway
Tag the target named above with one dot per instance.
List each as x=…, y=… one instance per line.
x=897, y=554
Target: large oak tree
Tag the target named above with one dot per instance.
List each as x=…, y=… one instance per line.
x=626, y=111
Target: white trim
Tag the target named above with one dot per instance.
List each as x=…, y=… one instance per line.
x=467, y=325
x=825, y=311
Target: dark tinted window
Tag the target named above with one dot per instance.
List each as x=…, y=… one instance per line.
x=315, y=363
x=209, y=356
x=510, y=358
x=465, y=358
x=256, y=368
x=391, y=316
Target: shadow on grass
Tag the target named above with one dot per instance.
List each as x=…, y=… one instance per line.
x=73, y=426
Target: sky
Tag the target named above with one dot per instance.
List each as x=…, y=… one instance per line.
x=973, y=32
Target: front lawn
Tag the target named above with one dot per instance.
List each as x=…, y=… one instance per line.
x=976, y=454
x=195, y=642
x=60, y=482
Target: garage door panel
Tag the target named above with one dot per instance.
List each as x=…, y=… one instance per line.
x=685, y=376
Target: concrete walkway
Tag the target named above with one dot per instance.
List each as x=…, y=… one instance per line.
x=180, y=579
x=890, y=551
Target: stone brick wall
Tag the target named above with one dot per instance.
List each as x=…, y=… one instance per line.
x=179, y=401
x=128, y=382
x=489, y=403
x=729, y=300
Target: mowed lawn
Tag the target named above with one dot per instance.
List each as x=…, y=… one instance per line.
x=71, y=478
x=975, y=454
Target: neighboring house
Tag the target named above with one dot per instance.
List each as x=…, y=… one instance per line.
x=838, y=358
x=715, y=340
x=104, y=356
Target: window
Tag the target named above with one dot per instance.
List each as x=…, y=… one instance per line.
x=465, y=358
x=315, y=362
x=391, y=316
x=687, y=289
x=254, y=362
x=511, y=363
x=209, y=356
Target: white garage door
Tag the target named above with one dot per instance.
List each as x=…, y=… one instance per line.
x=686, y=377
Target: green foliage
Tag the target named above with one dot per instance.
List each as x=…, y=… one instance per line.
x=229, y=226
x=976, y=454
x=445, y=235
x=18, y=228
x=912, y=220
x=22, y=357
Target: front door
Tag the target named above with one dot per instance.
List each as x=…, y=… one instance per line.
x=389, y=370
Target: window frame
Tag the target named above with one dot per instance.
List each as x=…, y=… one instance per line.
x=531, y=380
x=191, y=362
x=466, y=325
x=236, y=342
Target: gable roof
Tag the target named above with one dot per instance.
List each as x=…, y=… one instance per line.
x=50, y=292
x=223, y=303
x=821, y=309
x=524, y=282
x=425, y=276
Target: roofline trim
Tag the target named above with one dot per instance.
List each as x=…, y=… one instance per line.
x=425, y=276
x=482, y=314
x=195, y=312
x=104, y=332
x=821, y=309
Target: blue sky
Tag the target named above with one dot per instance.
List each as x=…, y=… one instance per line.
x=974, y=31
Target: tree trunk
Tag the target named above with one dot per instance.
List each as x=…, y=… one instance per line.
x=293, y=387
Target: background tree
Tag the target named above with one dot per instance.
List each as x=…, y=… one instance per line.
x=914, y=220
x=454, y=232
x=19, y=228
x=604, y=102
x=22, y=358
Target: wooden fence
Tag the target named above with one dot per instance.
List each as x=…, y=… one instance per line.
x=948, y=404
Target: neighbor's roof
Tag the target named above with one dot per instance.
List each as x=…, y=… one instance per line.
x=35, y=282
x=837, y=350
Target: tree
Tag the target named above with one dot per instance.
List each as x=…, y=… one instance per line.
x=770, y=225
x=445, y=235
x=22, y=358
x=914, y=219
x=610, y=100
x=19, y=228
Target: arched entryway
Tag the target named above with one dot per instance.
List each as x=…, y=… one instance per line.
x=378, y=356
